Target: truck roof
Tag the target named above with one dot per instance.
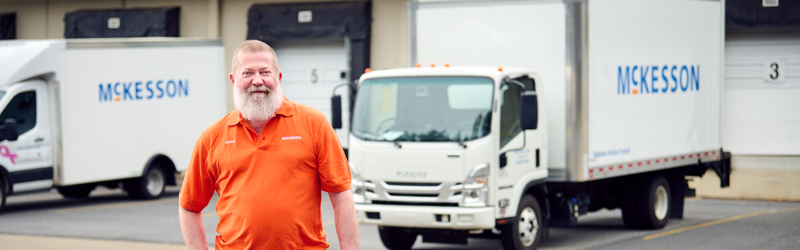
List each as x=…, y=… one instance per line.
x=493, y=72
x=25, y=59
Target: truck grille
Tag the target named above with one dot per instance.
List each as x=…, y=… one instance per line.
x=414, y=195
x=419, y=184
x=429, y=193
x=438, y=204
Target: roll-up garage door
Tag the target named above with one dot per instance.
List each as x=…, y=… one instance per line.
x=761, y=98
x=319, y=46
x=310, y=72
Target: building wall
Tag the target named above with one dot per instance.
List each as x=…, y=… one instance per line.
x=41, y=19
x=223, y=19
x=389, y=44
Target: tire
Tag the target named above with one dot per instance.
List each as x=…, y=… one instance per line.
x=395, y=238
x=653, y=203
x=77, y=191
x=628, y=207
x=526, y=232
x=2, y=193
x=150, y=186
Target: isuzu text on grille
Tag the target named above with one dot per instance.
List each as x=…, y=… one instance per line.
x=143, y=90
x=654, y=79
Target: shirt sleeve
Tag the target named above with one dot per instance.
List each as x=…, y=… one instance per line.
x=334, y=172
x=198, y=183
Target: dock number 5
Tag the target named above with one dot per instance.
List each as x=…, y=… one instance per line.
x=314, y=76
x=775, y=71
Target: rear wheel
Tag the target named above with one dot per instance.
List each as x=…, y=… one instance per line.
x=653, y=206
x=396, y=238
x=77, y=191
x=526, y=232
x=149, y=186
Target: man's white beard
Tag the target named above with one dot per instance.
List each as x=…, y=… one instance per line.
x=258, y=108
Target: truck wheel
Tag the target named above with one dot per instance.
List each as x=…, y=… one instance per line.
x=628, y=207
x=77, y=191
x=395, y=239
x=526, y=232
x=653, y=203
x=149, y=186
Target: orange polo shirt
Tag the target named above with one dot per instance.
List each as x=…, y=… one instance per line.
x=269, y=185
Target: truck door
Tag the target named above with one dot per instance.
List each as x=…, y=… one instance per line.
x=28, y=159
x=521, y=149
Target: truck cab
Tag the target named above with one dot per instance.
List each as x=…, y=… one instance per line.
x=449, y=152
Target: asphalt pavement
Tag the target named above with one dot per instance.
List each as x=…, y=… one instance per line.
x=110, y=220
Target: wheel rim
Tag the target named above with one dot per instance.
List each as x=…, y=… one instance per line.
x=155, y=182
x=661, y=203
x=528, y=226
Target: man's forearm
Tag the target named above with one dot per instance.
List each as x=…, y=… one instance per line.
x=194, y=232
x=346, y=221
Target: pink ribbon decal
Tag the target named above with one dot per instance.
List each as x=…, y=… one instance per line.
x=7, y=153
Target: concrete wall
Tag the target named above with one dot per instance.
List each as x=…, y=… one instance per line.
x=756, y=178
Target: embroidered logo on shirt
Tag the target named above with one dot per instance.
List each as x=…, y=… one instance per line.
x=227, y=142
x=290, y=138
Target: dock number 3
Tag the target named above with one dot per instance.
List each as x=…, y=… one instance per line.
x=774, y=71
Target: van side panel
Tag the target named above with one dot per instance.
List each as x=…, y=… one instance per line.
x=123, y=104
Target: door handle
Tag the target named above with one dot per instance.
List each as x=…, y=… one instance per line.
x=39, y=139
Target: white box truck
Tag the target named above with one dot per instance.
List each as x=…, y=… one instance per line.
x=614, y=104
x=86, y=112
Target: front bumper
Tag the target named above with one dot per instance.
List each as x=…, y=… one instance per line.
x=466, y=218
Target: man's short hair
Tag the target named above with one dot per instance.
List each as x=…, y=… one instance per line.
x=253, y=46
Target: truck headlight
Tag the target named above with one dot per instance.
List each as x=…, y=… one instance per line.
x=356, y=185
x=476, y=186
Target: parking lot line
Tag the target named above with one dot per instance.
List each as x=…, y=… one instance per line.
x=720, y=221
x=118, y=205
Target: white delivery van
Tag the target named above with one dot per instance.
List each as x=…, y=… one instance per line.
x=81, y=113
x=614, y=103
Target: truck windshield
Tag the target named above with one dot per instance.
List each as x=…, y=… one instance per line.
x=442, y=108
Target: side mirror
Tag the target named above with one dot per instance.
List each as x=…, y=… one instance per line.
x=529, y=110
x=336, y=110
x=8, y=131
x=503, y=160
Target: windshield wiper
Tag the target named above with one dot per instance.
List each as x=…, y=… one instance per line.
x=461, y=143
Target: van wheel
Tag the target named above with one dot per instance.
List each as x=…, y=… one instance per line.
x=653, y=206
x=526, y=232
x=77, y=191
x=149, y=186
x=395, y=238
x=2, y=194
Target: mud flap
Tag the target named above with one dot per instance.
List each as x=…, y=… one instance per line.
x=723, y=169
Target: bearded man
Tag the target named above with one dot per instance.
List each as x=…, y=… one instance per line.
x=268, y=161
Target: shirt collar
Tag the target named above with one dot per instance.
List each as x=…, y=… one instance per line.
x=286, y=109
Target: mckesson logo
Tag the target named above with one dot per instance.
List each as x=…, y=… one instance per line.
x=143, y=90
x=655, y=79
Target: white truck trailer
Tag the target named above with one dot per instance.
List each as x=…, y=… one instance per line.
x=114, y=112
x=610, y=109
